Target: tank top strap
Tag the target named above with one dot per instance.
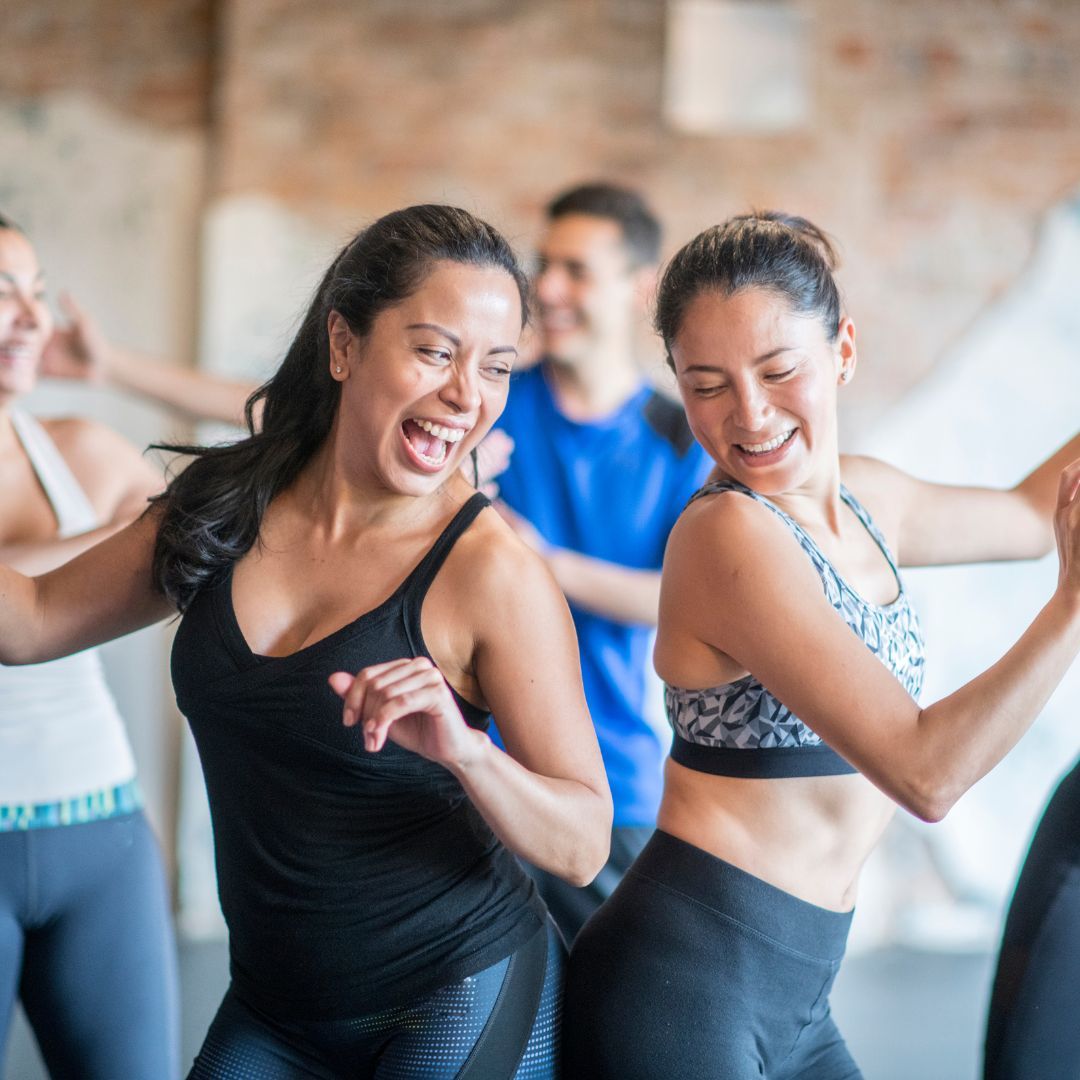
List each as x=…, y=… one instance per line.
x=805, y=540
x=863, y=515
x=74, y=512
x=419, y=581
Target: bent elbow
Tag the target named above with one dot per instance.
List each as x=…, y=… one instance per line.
x=589, y=857
x=932, y=802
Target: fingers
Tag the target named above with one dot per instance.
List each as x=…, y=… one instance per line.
x=424, y=693
x=354, y=687
x=384, y=693
x=68, y=306
x=1069, y=484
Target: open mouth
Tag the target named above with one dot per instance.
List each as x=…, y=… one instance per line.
x=431, y=443
x=17, y=353
x=768, y=449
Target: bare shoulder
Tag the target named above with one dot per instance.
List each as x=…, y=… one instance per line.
x=727, y=523
x=107, y=466
x=492, y=565
x=77, y=437
x=727, y=546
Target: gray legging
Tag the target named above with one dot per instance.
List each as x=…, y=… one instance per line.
x=86, y=943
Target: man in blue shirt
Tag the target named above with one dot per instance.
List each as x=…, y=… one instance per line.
x=601, y=468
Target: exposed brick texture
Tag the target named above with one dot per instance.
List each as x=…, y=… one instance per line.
x=939, y=134
x=146, y=58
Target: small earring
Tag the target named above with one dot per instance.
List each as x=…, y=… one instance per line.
x=844, y=375
x=337, y=368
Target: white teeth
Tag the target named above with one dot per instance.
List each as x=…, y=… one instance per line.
x=765, y=447
x=450, y=435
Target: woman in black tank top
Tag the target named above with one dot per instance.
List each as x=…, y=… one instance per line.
x=352, y=613
x=793, y=662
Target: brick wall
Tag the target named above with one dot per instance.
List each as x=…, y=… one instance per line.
x=939, y=135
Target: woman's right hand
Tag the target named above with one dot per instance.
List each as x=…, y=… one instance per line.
x=1067, y=530
x=78, y=350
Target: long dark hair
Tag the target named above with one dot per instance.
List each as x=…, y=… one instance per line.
x=767, y=249
x=212, y=511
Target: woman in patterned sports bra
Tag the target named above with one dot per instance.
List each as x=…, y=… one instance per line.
x=793, y=661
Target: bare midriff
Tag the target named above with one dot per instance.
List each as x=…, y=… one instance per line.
x=808, y=836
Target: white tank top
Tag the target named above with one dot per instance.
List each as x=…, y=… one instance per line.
x=61, y=736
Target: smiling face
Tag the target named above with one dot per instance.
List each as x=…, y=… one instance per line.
x=25, y=321
x=425, y=385
x=759, y=385
x=586, y=287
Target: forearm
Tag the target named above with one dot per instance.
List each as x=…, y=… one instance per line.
x=19, y=616
x=1040, y=487
x=963, y=736
x=195, y=393
x=44, y=555
x=616, y=592
x=562, y=826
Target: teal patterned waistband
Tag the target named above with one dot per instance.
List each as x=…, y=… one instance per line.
x=96, y=806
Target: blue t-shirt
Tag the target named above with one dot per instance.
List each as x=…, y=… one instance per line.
x=609, y=488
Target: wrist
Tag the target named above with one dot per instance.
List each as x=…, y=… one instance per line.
x=474, y=751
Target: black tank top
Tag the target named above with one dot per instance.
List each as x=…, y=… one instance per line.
x=350, y=881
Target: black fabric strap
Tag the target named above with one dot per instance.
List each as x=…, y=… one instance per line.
x=502, y=1043
x=760, y=763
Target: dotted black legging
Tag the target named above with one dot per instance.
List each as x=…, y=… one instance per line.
x=1033, y=1030
x=427, y=1040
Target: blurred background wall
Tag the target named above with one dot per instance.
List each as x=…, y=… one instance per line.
x=187, y=166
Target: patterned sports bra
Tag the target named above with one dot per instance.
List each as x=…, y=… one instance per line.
x=716, y=729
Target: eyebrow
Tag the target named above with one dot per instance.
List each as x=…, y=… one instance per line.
x=39, y=276
x=770, y=355
x=455, y=340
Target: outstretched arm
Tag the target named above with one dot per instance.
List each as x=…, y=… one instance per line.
x=940, y=524
x=546, y=796
x=103, y=594
x=79, y=350
x=738, y=580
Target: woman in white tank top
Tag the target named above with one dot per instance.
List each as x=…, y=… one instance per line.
x=85, y=936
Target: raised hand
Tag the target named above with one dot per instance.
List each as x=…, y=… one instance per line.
x=409, y=702
x=1067, y=529
x=78, y=350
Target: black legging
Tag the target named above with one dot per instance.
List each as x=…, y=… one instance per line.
x=696, y=969
x=1033, y=1030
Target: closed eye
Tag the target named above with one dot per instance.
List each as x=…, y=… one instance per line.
x=777, y=376
x=440, y=355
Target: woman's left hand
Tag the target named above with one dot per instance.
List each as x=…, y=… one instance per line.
x=409, y=702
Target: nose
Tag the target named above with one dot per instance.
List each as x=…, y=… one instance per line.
x=751, y=405
x=549, y=284
x=461, y=391
x=30, y=311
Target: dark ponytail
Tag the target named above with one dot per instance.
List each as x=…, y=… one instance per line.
x=784, y=254
x=212, y=511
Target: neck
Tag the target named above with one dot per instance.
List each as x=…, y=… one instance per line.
x=595, y=388
x=815, y=503
x=342, y=505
